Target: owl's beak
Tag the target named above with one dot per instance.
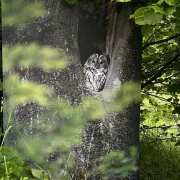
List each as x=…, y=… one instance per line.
x=97, y=66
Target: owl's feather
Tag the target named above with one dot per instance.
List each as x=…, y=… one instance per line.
x=95, y=71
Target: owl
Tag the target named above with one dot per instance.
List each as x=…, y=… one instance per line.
x=95, y=72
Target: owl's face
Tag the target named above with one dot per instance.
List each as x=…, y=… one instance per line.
x=97, y=61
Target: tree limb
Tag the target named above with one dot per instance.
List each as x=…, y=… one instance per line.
x=161, y=71
x=175, y=126
x=160, y=41
x=161, y=98
x=168, y=78
x=150, y=70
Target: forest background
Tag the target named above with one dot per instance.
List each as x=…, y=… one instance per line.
x=160, y=126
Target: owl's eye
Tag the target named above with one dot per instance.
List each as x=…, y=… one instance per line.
x=93, y=61
x=101, y=62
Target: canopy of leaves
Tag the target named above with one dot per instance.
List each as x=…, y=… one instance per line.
x=13, y=167
x=160, y=92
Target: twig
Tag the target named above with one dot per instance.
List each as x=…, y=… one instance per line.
x=161, y=41
x=161, y=81
x=161, y=71
x=150, y=70
x=66, y=165
x=89, y=149
x=161, y=98
x=161, y=127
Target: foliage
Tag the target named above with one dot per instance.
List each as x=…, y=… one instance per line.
x=154, y=11
x=158, y=159
x=92, y=1
x=13, y=167
x=160, y=95
x=74, y=118
x=19, y=13
x=116, y=163
x=148, y=15
x=21, y=92
x=46, y=57
x=151, y=13
x=123, y=0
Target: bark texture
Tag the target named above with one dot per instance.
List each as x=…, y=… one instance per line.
x=117, y=131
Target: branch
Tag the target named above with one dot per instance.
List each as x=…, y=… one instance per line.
x=161, y=71
x=170, y=138
x=168, y=78
x=160, y=41
x=161, y=98
x=156, y=31
x=160, y=59
x=164, y=127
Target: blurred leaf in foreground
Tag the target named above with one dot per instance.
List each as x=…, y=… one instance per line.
x=22, y=92
x=17, y=13
x=25, y=56
x=116, y=163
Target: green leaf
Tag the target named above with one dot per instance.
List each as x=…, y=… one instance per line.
x=33, y=55
x=116, y=162
x=177, y=143
x=176, y=110
x=21, y=92
x=7, y=151
x=148, y=15
x=133, y=152
x=139, y=20
x=146, y=30
x=160, y=2
x=157, y=9
x=123, y=0
x=72, y=1
x=1, y=86
x=171, y=10
x=37, y=173
x=13, y=13
x=174, y=88
x=177, y=13
x=138, y=13
x=152, y=18
x=172, y=2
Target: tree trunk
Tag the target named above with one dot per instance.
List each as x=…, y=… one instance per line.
x=123, y=45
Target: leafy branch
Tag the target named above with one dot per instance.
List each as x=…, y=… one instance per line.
x=164, y=127
x=169, y=77
x=160, y=41
x=161, y=98
x=151, y=69
x=161, y=71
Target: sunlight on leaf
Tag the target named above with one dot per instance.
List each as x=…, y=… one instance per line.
x=116, y=163
x=172, y=2
x=17, y=13
x=123, y=0
x=33, y=55
x=21, y=92
x=148, y=15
